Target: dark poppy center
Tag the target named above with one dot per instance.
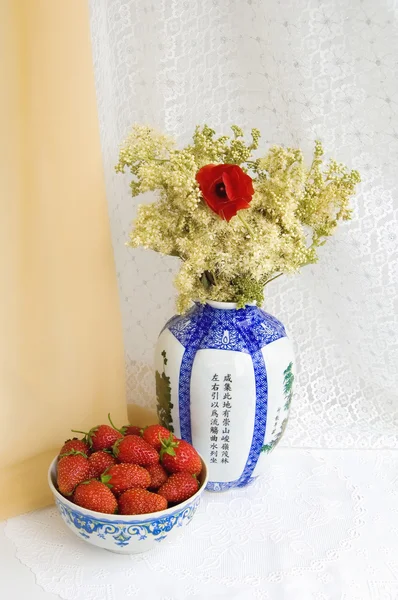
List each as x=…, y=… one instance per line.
x=220, y=190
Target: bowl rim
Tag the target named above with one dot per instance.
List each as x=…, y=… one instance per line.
x=125, y=518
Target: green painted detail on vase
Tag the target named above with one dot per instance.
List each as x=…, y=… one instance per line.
x=271, y=445
x=163, y=395
x=288, y=380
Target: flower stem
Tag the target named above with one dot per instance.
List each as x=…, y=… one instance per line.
x=272, y=278
x=249, y=229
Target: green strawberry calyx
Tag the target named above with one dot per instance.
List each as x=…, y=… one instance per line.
x=168, y=445
x=73, y=453
x=105, y=478
x=115, y=447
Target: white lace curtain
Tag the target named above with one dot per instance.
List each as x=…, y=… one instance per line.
x=298, y=70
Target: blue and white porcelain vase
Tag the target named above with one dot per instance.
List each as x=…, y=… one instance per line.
x=224, y=379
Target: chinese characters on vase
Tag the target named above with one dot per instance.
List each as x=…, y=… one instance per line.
x=221, y=396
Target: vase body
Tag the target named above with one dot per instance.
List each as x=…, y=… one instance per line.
x=224, y=379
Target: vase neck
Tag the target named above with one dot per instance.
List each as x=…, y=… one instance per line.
x=226, y=305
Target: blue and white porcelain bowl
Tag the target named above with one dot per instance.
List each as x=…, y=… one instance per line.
x=122, y=533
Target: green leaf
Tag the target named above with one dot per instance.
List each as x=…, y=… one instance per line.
x=163, y=395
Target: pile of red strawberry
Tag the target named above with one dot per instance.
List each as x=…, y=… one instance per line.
x=130, y=471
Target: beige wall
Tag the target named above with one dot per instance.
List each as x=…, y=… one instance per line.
x=61, y=352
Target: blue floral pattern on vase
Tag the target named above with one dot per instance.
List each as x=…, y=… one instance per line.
x=226, y=329
x=248, y=331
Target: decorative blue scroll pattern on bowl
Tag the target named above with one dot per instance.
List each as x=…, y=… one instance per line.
x=247, y=331
x=120, y=533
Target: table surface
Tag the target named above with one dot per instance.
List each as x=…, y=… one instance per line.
x=321, y=525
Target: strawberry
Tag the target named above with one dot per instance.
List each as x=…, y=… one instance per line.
x=180, y=456
x=74, y=444
x=73, y=468
x=131, y=430
x=123, y=477
x=179, y=487
x=139, y=502
x=158, y=476
x=95, y=495
x=133, y=449
x=99, y=462
x=101, y=437
x=154, y=434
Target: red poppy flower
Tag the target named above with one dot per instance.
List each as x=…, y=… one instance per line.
x=225, y=189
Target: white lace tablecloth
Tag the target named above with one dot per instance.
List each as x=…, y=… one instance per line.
x=322, y=525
